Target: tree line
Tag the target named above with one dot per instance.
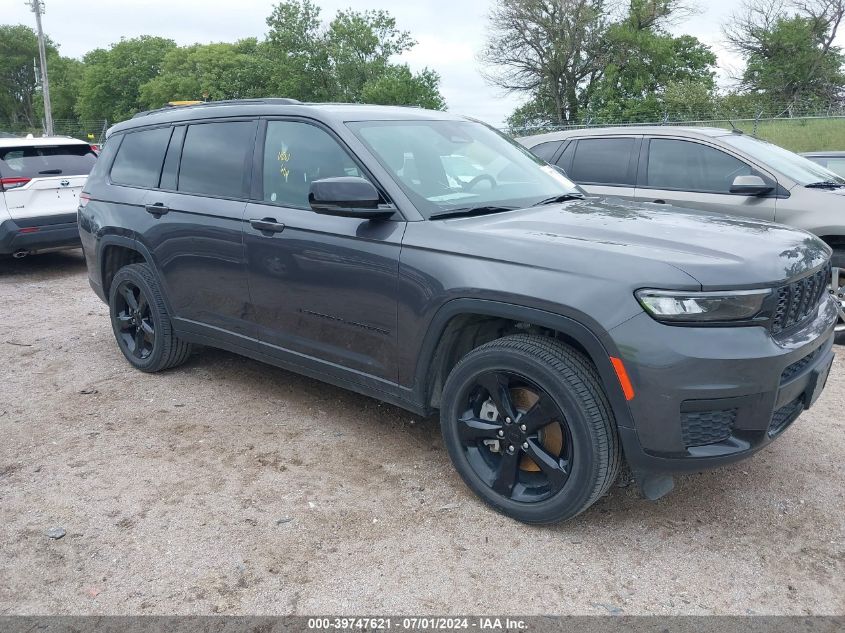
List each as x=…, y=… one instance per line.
x=348, y=59
x=616, y=60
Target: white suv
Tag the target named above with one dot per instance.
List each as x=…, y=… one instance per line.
x=40, y=183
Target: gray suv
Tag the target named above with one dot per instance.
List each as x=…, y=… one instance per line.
x=428, y=261
x=711, y=169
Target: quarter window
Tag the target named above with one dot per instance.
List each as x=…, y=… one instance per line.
x=295, y=155
x=138, y=161
x=689, y=166
x=603, y=161
x=546, y=151
x=216, y=157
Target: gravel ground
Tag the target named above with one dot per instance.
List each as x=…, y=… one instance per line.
x=228, y=486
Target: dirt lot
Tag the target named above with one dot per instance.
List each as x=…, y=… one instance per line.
x=228, y=486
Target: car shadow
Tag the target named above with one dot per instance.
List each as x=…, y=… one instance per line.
x=45, y=265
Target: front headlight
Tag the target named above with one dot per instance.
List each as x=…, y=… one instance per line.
x=707, y=307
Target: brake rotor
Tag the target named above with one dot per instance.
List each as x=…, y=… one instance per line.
x=550, y=436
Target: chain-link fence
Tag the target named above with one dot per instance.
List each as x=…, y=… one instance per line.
x=91, y=131
x=799, y=132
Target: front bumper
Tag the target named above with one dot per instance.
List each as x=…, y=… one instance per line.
x=39, y=234
x=710, y=396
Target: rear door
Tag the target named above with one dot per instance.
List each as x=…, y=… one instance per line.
x=41, y=184
x=603, y=166
x=191, y=223
x=691, y=174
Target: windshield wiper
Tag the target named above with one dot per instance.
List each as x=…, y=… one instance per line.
x=465, y=211
x=561, y=198
x=51, y=171
x=825, y=184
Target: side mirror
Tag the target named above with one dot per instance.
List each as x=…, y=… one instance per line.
x=348, y=197
x=750, y=186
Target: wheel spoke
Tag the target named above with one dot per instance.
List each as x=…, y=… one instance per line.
x=507, y=473
x=497, y=385
x=129, y=297
x=541, y=414
x=139, y=342
x=124, y=321
x=142, y=302
x=555, y=468
x=473, y=429
x=147, y=327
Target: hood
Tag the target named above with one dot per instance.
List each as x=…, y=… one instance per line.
x=718, y=252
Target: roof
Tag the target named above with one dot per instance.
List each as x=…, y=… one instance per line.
x=831, y=154
x=20, y=141
x=652, y=130
x=279, y=106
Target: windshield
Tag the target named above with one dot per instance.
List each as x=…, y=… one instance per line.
x=449, y=165
x=798, y=168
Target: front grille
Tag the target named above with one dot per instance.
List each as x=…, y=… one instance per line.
x=798, y=366
x=785, y=416
x=796, y=301
x=706, y=427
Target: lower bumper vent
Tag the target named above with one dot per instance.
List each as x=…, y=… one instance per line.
x=785, y=416
x=699, y=428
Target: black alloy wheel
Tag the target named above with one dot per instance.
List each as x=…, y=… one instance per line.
x=134, y=319
x=515, y=437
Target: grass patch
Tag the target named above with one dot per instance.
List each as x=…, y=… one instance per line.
x=798, y=135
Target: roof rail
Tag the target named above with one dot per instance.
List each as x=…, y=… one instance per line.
x=208, y=104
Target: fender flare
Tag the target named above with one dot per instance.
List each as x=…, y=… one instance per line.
x=132, y=244
x=598, y=348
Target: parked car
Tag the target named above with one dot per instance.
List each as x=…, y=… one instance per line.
x=40, y=182
x=833, y=161
x=553, y=333
x=715, y=170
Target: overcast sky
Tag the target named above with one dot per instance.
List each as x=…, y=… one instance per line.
x=449, y=33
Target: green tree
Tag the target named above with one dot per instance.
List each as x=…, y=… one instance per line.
x=208, y=72
x=789, y=50
x=351, y=59
x=110, y=86
x=18, y=57
x=65, y=80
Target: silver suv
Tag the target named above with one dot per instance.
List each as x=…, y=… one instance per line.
x=715, y=170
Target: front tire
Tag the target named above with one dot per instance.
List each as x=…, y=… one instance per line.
x=838, y=290
x=140, y=321
x=529, y=429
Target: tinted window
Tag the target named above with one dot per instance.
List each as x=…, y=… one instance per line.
x=546, y=151
x=215, y=158
x=139, y=158
x=691, y=167
x=295, y=155
x=602, y=161
x=171, y=160
x=46, y=161
x=565, y=160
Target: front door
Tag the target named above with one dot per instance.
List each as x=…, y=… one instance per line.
x=697, y=176
x=323, y=287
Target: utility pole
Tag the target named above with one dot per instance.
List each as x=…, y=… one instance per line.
x=37, y=7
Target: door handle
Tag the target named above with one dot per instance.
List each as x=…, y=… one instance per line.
x=659, y=201
x=267, y=225
x=156, y=210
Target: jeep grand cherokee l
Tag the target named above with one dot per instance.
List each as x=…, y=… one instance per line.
x=428, y=261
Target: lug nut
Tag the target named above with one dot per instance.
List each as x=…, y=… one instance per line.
x=510, y=448
x=522, y=427
x=525, y=445
x=508, y=420
x=501, y=433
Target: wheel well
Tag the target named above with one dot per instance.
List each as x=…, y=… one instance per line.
x=464, y=332
x=114, y=258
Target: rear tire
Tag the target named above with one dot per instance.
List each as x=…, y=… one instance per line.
x=140, y=321
x=558, y=473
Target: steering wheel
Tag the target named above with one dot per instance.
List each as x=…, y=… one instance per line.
x=472, y=183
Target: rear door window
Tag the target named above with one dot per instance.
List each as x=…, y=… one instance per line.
x=690, y=166
x=45, y=161
x=603, y=161
x=139, y=158
x=216, y=159
x=546, y=151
